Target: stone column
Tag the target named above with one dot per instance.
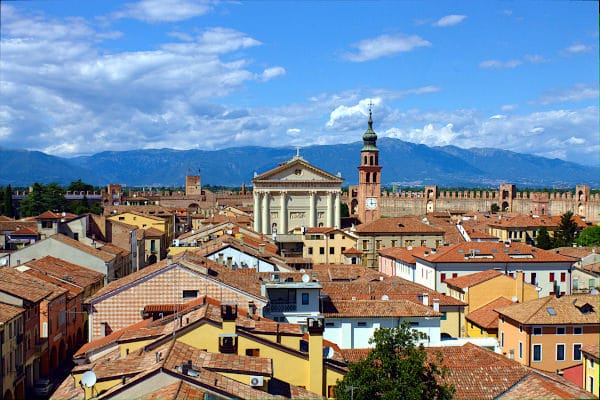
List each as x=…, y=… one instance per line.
x=337, y=223
x=312, y=212
x=283, y=217
x=329, y=219
x=265, y=214
x=257, y=211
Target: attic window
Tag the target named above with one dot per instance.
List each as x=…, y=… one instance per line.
x=400, y=225
x=298, y=171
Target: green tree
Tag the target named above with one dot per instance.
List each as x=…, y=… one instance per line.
x=567, y=230
x=590, y=236
x=494, y=208
x=544, y=241
x=344, y=212
x=396, y=368
x=7, y=207
x=79, y=186
x=42, y=198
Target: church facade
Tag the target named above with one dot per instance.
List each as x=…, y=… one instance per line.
x=296, y=194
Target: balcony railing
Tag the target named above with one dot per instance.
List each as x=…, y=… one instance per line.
x=281, y=307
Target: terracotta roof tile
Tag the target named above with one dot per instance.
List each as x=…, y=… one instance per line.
x=8, y=312
x=178, y=390
x=576, y=252
x=551, y=310
x=404, y=225
x=12, y=225
x=592, y=350
x=25, y=231
x=476, y=278
x=61, y=269
x=333, y=308
x=494, y=252
x=24, y=286
x=522, y=221
x=485, y=316
x=477, y=373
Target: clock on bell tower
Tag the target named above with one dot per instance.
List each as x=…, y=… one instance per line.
x=369, y=177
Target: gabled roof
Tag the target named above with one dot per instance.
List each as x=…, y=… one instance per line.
x=399, y=225
x=576, y=252
x=136, y=213
x=550, y=310
x=485, y=316
x=592, y=350
x=292, y=165
x=245, y=280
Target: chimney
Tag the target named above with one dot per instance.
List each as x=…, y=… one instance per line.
x=436, y=305
x=426, y=299
x=229, y=315
x=316, y=326
x=520, y=286
x=261, y=248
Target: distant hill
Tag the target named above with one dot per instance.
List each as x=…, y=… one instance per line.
x=405, y=164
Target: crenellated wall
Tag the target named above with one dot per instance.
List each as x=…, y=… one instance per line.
x=431, y=199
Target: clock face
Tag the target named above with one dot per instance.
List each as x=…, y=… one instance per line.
x=371, y=203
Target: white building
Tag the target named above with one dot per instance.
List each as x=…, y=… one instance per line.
x=296, y=194
x=352, y=323
x=549, y=271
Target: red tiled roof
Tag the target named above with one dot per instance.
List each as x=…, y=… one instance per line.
x=592, y=350
x=551, y=310
x=485, y=316
x=476, y=278
x=522, y=221
x=494, y=252
x=478, y=374
x=400, y=225
x=334, y=308
x=65, y=270
x=407, y=254
x=24, y=231
x=351, y=251
x=8, y=312
x=23, y=286
x=53, y=215
x=576, y=252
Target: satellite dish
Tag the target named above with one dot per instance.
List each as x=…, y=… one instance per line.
x=88, y=379
x=305, y=278
x=514, y=299
x=385, y=297
x=328, y=352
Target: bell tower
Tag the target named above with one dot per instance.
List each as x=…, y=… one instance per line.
x=369, y=177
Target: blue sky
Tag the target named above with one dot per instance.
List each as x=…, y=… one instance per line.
x=79, y=77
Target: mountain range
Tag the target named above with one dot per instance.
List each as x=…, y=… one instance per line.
x=404, y=164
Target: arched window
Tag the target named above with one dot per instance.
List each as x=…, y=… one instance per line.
x=365, y=161
x=372, y=160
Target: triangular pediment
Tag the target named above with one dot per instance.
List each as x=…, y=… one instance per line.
x=297, y=170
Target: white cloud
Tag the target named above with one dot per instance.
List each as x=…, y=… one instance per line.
x=271, y=73
x=498, y=116
x=385, y=45
x=500, y=64
x=449, y=20
x=535, y=58
x=342, y=114
x=575, y=93
x=163, y=10
x=577, y=48
x=509, y=107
